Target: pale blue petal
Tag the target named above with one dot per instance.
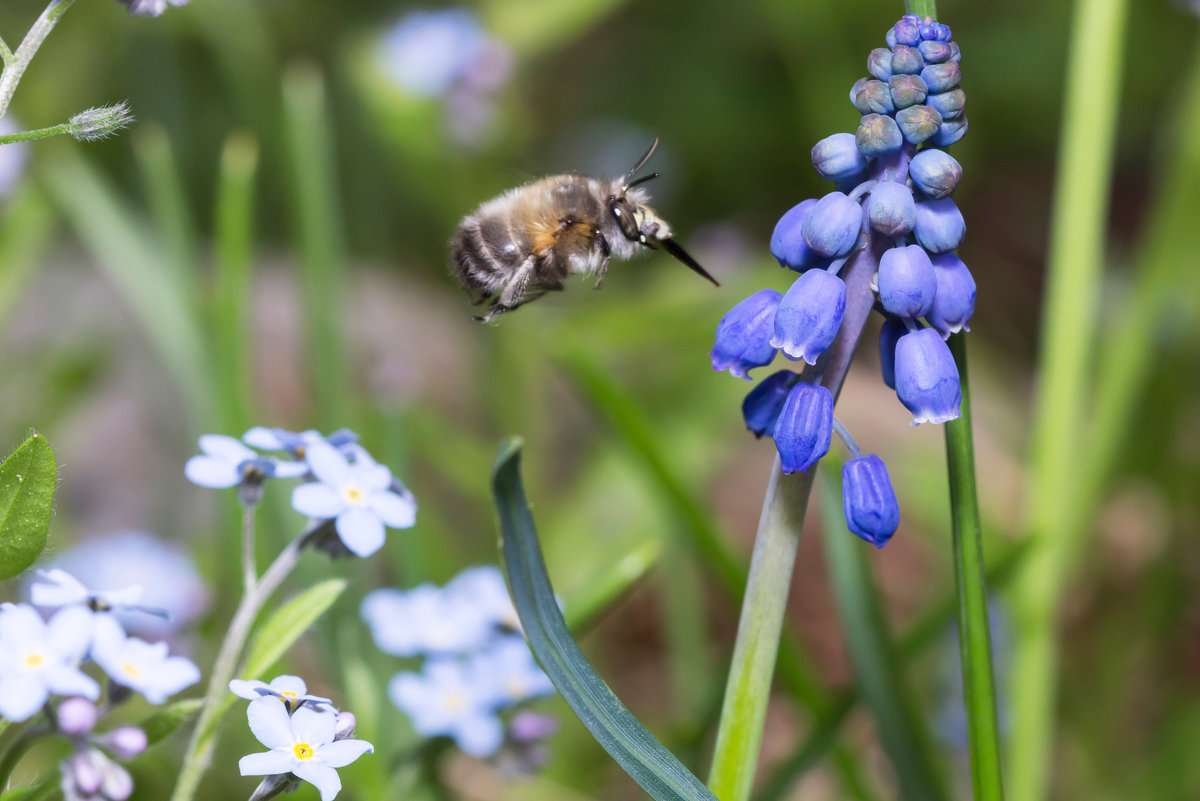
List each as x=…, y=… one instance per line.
x=264, y=764
x=56, y=587
x=225, y=448
x=250, y=690
x=342, y=752
x=269, y=721
x=360, y=531
x=210, y=472
x=64, y=680
x=372, y=477
x=479, y=736
x=290, y=469
x=289, y=684
x=323, y=777
x=328, y=465
x=317, y=500
x=21, y=696
x=21, y=624
x=69, y=632
x=393, y=510
x=264, y=438
x=171, y=676
x=313, y=727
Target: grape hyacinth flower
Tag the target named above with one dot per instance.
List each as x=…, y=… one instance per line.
x=39, y=658
x=891, y=213
x=360, y=497
x=302, y=743
x=868, y=500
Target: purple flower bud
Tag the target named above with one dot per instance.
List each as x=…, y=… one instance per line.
x=889, y=38
x=954, y=302
x=908, y=32
x=943, y=32
x=809, y=315
x=906, y=60
x=949, y=104
x=955, y=50
x=942, y=77
x=527, y=727
x=762, y=405
x=940, y=225
x=907, y=90
x=85, y=770
x=125, y=741
x=889, y=335
x=744, y=335
x=831, y=226
x=891, y=209
x=950, y=132
x=878, y=135
x=76, y=716
x=787, y=243
x=906, y=281
x=117, y=784
x=934, y=52
x=918, y=123
x=344, y=725
x=869, y=500
x=872, y=97
x=805, y=427
x=927, y=378
x=837, y=157
x=929, y=30
x=935, y=172
x=879, y=63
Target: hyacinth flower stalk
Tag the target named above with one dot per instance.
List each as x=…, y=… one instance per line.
x=887, y=236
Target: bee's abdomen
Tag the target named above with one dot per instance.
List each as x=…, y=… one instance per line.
x=485, y=252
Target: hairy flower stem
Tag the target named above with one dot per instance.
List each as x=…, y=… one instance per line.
x=15, y=63
x=40, y=133
x=204, y=736
x=739, y=733
x=974, y=637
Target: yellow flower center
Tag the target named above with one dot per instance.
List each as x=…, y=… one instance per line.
x=286, y=694
x=455, y=701
x=130, y=669
x=34, y=659
x=515, y=688
x=353, y=494
x=303, y=751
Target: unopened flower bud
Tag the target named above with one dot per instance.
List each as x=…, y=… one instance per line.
x=868, y=500
x=83, y=772
x=934, y=52
x=787, y=242
x=117, y=784
x=955, y=51
x=949, y=132
x=809, y=315
x=918, y=123
x=906, y=60
x=99, y=123
x=125, y=741
x=805, y=427
x=872, y=97
x=927, y=378
x=878, y=135
x=762, y=405
x=744, y=335
x=949, y=104
x=908, y=32
x=935, y=172
x=344, y=726
x=942, y=77
x=832, y=225
x=889, y=335
x=76, y=716
x=906, y=281
x=527, y=727
x=954, y=302
x=907, y=90
x=940, y=225
x=889, y=38
x=879, y=63
x=837, y=156
x=891, y=209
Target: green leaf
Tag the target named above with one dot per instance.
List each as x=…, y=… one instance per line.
x=44, y=789
x=159, y=725
x=27, y=481
x=644, y=758
x=286, y=625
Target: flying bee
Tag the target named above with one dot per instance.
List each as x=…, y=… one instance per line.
x=522, y=244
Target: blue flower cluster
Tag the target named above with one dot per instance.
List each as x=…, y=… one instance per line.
x=477, y=664
x=892, y=187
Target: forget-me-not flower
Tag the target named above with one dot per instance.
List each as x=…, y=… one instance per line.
x=57, y=588
x=302, y=744
x=139, y=665
x=509, y=673
x=38, y=658
x=226, y=462
x=360, y=497
x=290, y=689
x=449, y=698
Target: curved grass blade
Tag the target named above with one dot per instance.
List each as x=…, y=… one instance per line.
x=643, y=757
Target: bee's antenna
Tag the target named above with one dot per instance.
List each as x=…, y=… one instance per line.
x=642, y=180
x=672, y=247
x=641, y=163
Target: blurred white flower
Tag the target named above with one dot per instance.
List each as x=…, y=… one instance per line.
x=139, y=665
x=426, y=52
x=39, y=658
x=12, y=157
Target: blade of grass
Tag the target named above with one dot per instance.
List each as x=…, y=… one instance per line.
x=168, y=205
x=25, y=230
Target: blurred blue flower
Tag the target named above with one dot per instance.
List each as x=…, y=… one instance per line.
x=12, y=157
x=226, y=462
x=425, y=620
x=763, y=404
x=482, y=588
x=38, y=658
x=426, y=52
x=150, y=8
x=360, y=497
x=510, y=673
x=280, y=439
x=449, y=698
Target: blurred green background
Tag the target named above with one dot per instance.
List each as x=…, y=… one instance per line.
x=268, y=244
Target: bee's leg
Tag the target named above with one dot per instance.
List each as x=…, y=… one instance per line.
x=606, y=252
x=514, y=292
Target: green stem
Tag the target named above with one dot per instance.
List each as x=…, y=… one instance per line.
x=974, y=638
x=1075, y=260
x=922, y=8
x=40, y=133
x=6, y=53
x=204, y=736
x=16, y=63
